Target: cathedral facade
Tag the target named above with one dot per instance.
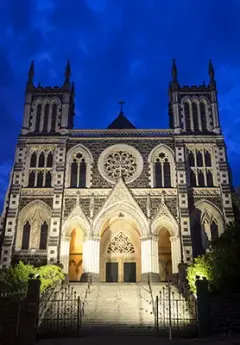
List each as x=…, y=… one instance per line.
x=121, y=203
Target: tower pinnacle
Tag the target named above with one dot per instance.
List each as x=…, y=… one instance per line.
x=67, y=74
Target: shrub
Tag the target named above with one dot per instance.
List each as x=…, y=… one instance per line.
x=202, y=267
x=16, y=277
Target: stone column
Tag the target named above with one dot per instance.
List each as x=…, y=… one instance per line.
x=64, y=253
x=91, y=259
x=175, y=252
x=149, y=259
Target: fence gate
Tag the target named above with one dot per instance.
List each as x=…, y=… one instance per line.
x=60, y=315
x=176, y=314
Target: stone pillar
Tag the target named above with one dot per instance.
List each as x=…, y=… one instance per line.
x=91, y=259
x=204, y=314
x=182, y=276
x=175, y=252
x=29, y=314
x=64, y=253
x=149, y=259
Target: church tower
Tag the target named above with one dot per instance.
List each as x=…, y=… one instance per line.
x=48, y=109
x=193, y=109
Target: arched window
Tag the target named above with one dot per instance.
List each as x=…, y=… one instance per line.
x=33, y=161
x=74, y=172
x=158, y=174
x=43, y=236
x=41, y=160
x=78, y=171
x=214, y=231
x=187, y=116
x=167, y=174
x=48, y=181
x=26, y=236
x=203, y=116
x=199, y=159
x=82, y=174
x=50, y=160
x=39, y=179
x=45, y=118
x=201, y=182
x=195, y=116
x=38, y=117
x=193, y=179
x=191, y=160
x=162, y=171
x=31, y=179
x=209, y=179
x=208, y=161
x=54, y=117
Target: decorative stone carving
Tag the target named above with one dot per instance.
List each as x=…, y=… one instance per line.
x=120, y=244
x=120, y=160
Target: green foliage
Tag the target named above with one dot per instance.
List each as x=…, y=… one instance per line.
x=49, y=275
x=201, y=267
x=16, y=277
x=221, y=265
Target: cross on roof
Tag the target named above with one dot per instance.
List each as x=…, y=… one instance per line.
x=121, y=105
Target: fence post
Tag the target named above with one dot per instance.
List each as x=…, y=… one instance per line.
x=157, y=325
x=203, y=308
x=29, y=314
x=170, y=311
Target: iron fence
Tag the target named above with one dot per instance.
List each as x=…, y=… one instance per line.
x=62, y=315
x=176, y=314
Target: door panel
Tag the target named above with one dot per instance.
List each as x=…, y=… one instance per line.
x=111, y=272
x=130, y=272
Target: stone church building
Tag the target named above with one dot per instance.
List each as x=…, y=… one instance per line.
x=120, y=203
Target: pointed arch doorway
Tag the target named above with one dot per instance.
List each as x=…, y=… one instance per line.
x=120, y=252
x=164, y=255
x=76, y=255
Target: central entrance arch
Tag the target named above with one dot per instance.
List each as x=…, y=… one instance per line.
x=120, y=252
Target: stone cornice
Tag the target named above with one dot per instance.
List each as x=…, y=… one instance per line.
x=206, y=191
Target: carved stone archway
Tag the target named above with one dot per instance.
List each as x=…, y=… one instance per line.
x=120, y=245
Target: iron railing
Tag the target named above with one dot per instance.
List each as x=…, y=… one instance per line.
x=62, y=317
x=176, y=315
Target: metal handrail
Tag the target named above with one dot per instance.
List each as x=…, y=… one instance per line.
x=86, y=293
x=153, y=301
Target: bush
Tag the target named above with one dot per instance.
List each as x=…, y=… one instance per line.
x=221, y=265
x=16, y=277
x=49, y=275
x=201, y=267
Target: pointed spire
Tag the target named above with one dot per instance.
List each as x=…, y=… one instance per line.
x=30, y=75
x=174, y=71
x=67, y=74
x=174, y=85
x=31, y=71
x=211, y=74
x=211, y=70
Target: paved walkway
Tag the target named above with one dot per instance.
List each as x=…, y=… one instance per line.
x=139, y=340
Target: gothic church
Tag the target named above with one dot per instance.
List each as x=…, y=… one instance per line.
x=118, y=204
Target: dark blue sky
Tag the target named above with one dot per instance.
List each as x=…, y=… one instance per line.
x=119, y=49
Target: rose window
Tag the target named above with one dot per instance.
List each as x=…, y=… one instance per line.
x=120, y=164
x=120, y=161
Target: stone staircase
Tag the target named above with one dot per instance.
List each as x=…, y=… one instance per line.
x=117, y=308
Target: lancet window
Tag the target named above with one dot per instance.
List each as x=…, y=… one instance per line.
x=200, y=168
x=40, y=169
x=78, y=171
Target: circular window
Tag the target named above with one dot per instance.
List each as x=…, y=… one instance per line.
x=120, y=161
